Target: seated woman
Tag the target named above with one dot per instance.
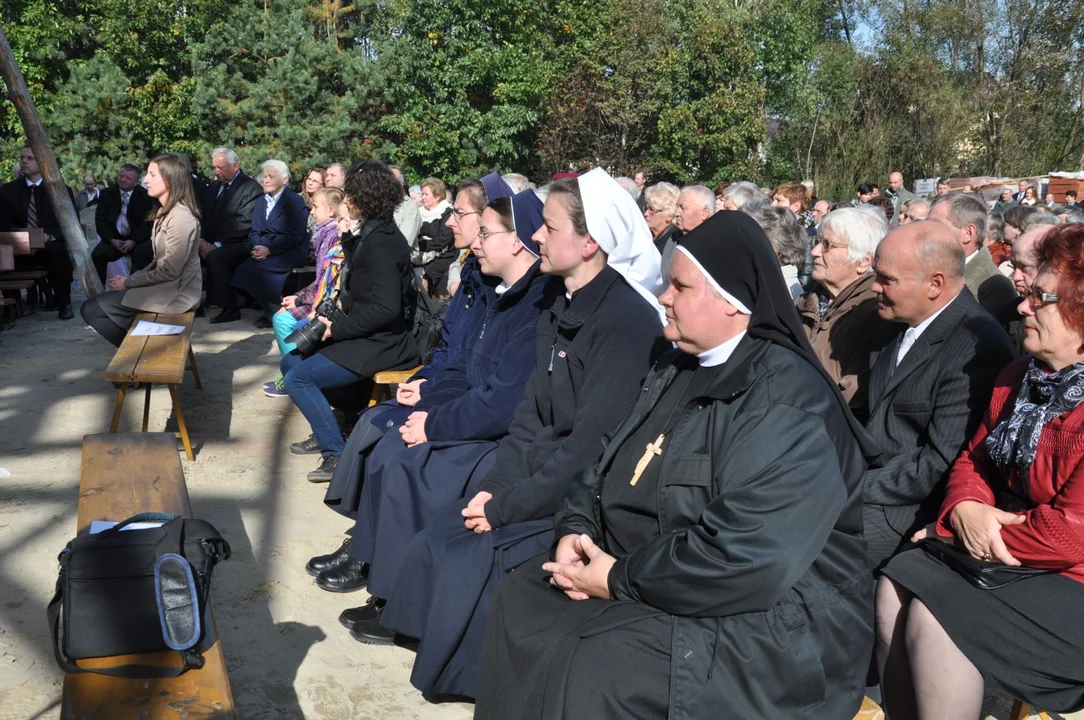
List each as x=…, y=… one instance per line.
x=435, y=247
x=593, y=350
x=788, y=239
x=723, y=567
x=1015, y=500
x=297, y=309
x=458, y=334
x=173, y=282
x=278, y=240
x=314, y=180
x=377, y=299
x=660, y=207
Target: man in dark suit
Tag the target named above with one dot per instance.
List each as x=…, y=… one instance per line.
x=122, y=224
x=930, y=386
x=278, y=240
x=225, y=226
x=24, y=203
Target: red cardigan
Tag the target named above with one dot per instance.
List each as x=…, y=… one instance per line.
x=1053, y=536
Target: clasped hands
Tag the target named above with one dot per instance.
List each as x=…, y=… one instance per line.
x=581, y=568
x=260, y=252
x=413, y=430
x=977, y=529
x=409, y=393
x=124, y=246
x=116, y=282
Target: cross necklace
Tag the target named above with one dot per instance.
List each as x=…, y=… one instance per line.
x=655, y=449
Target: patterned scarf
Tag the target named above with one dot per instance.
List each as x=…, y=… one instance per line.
x=1043, y=396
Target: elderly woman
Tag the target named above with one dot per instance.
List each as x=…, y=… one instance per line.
x=788, y=239
x=1014, y=508
x=660, y=208
x=842, y=323
x=436, y=249
x=278, y=240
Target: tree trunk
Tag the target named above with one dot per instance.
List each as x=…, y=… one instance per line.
x=74, y=238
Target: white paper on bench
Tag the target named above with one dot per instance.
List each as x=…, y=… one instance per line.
x=97, y=526
x=152, y=328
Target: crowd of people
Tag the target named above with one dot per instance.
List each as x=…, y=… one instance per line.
x=678, y=448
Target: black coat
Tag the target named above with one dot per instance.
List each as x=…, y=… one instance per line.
x=590, y=356
x=924, y=411
x=759, y=558
x=228, y=219
x=378, y=299
x=108, y=210
x=14, y=199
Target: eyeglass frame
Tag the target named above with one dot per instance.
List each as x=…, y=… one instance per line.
x=1037, y=298
x=484, y=234
x=831, y=244
x=460, y=215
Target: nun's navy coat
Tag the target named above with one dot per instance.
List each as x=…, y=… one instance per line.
x=591, y=356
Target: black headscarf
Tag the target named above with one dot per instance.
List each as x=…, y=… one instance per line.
x=734, y=250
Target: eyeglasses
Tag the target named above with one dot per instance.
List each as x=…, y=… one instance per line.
x=484, y=234
x=459, y=214
x=1038, y=298
x=827, y=245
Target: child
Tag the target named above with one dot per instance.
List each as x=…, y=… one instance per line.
x=297, y=310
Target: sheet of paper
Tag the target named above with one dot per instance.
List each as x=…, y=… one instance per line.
x=152, y=328
x=97, y=526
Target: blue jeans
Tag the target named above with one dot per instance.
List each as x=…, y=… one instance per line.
x=305, y=382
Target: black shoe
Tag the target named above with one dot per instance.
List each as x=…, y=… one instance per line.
x=352, y=617
x=65, y=313
x=262, y=322
x=200, y=312
x=371, y=632
x=227, y=315
x=321, y=563
x=350, y=576
x=324, y=472
x=308, y=446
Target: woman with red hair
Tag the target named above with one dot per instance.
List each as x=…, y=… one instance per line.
x=994, y=588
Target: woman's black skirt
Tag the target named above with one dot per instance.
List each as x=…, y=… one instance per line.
x=112, y=304
x=1027, y=637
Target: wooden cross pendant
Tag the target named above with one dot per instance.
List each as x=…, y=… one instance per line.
x=652, y=450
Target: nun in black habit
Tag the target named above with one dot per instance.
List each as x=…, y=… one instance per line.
x=714, y=556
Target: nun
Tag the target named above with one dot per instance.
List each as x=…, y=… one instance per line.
x=713, y=557
x=593, y=350
x=476, y=292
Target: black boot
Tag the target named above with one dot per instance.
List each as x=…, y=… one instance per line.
x=351, y=617
x=325, y=470
x=370, y=631
x=321, y=563
x=308, y=446
x=227, y=315
x=345, y=577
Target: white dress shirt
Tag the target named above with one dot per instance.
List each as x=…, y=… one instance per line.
x=912, y=333
x=271, y=200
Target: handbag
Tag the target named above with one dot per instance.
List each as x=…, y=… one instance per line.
x=131, y=591
x=980, y=573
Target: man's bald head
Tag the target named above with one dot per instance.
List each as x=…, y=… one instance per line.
x=895, y=181
x=1024, y=261
x=919, y=269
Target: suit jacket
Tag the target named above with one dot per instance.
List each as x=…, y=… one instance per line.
x=923, y=412
x=139, y=207
x=173, y=282
x=82, y=199
x=14, y=199
x=228, y=219
x=995, y=292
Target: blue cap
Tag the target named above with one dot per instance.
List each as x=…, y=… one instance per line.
x=496, y=187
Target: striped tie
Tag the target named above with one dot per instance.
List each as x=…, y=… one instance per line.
x=32, y=208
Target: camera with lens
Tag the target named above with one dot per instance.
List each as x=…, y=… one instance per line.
x=310, y=337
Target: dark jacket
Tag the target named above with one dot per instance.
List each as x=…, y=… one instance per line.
x=476, y=395
x=464, y=311
x=282, y=232
x=590, y=357
x=436, y=237
x=108, y=211
x=228, y=219
x=994, y=291
x=14, y=199
x=378, y=299
x=923, y=412
x=760, y=558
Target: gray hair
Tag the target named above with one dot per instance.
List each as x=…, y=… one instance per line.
x=543, y=192
x=860, y=228
x=662, y=198
x=630, y=186
x=230, y=155
x=1073, y=215
x=338, y=165
x=786, y=234
x=743, y=193
x=995, y=227
x=518, y=182
x=963, y=210
x=1041, y=218
x=415, y=189
x=703, y=194
x=279, y=167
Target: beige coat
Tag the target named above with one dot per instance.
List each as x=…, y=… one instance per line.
x=173, y=282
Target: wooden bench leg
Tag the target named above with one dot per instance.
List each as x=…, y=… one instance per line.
x=375, y=397
x=146, y=407
x=117, y=408
x=1022, y=711
x=193, y=368
x=180, y=422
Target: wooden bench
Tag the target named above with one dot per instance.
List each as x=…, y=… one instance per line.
x=148, y=359
x=383, y=382
x=24, y=241
x=124, y=475
x=7, y=257
x=869, y=711
x=1022, y=711
x=14, y=289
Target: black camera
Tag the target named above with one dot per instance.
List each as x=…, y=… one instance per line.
x=310, y=337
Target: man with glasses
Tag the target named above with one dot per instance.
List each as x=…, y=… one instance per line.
x=930, y=386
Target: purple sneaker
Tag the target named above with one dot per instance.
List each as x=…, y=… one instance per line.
x=276, y=389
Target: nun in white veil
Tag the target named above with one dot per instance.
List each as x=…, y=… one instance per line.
x=593, y=350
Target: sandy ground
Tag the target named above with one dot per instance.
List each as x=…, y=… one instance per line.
x=287, y=655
